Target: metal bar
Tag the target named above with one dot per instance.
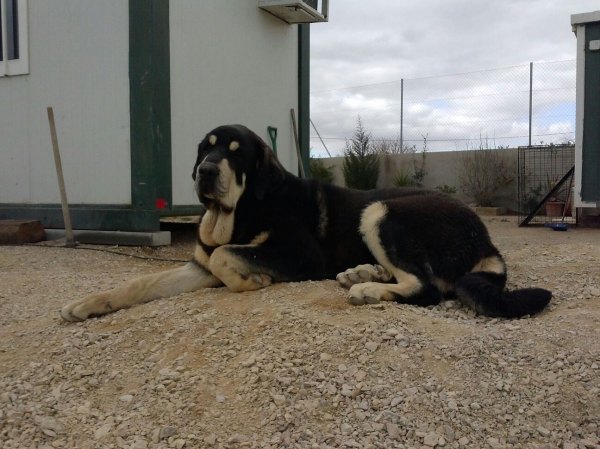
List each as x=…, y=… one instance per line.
x=549, y=195
x=70, y=243
x=325, y=9
x=3, y=41
x=530, y=99
x=401, y=115
x=317, y=131
x=304, y=94
x=300, y=164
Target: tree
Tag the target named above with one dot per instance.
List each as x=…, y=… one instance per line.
x=361, y=161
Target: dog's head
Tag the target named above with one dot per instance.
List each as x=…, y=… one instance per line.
x=231, y=161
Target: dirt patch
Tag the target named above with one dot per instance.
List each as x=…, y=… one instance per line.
x=294, y=365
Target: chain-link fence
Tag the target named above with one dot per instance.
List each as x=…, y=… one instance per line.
x=515, y=106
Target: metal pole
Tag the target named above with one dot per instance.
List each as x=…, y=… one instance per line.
x=530, y=99
x=298, y=152
x=70, y=238
x=401, y=114
x=317, y=131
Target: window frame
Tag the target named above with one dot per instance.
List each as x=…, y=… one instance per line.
x=18, y=66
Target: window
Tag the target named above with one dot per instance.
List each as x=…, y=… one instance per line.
x=14, y=58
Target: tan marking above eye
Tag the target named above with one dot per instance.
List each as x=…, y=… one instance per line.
x=212, y=139
x=234, y=145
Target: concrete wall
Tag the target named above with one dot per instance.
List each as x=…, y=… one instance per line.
x=230, y=63
x=78, y=64
x=441, y=167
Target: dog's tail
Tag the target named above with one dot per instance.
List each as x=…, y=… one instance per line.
x=484, y=292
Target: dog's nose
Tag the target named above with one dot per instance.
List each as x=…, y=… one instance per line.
x=208, y=171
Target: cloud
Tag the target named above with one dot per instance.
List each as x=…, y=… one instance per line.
x=372, y=45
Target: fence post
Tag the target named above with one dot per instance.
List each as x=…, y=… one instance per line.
x=401, y=114
x=530, y=99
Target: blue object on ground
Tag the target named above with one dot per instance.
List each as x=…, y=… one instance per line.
x=557, y=226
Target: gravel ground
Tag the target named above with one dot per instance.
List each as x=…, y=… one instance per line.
x=294, y=365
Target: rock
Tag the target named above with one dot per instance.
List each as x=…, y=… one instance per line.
x=397, y=400
x=139, y=444
x=49, y=424
x=102, y=431
x=249, y=362
x=166, y=432
x=449, y=432
x=431, y=439
x=179, y=443
x=393, y=431
x=121, y=431
x=238, y=438
x=372, y=346
x=154, y=358
x=543, y=431
x=126, y=398
x=495, y=444
x=279, y=399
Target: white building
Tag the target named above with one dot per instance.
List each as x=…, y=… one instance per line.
x=135, y=85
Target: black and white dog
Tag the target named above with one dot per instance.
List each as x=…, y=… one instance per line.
x=263, y=225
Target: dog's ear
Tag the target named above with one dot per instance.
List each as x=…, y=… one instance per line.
x=269, y=172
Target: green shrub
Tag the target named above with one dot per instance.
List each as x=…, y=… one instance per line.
x=419, y=174
x=403, y=179
x=319, y=171
x=361, y=162
x=445, y=188
x=484, y=174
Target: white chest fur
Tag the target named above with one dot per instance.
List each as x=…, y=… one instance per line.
x=216, y=228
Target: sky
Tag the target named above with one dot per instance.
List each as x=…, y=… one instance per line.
x=466, y=69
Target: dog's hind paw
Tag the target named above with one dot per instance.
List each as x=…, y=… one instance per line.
x=363, y=273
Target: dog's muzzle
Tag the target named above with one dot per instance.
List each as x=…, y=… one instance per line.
x=208, y=174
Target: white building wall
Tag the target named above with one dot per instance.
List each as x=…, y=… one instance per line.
x=78, y=64
x=230, y=63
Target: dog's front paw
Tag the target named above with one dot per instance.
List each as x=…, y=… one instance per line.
x=369, y=293
x=263, y=280
x=81, y=310
x=72, y=312
x=363, y=273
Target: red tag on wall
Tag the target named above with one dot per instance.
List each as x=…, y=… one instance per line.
x=161, y=204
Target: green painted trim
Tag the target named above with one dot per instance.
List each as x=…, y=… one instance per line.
x=161, y=67
x=304, y=94
x=590, y=170
x=150, y=103
x=143, y=189
x=105, y=217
